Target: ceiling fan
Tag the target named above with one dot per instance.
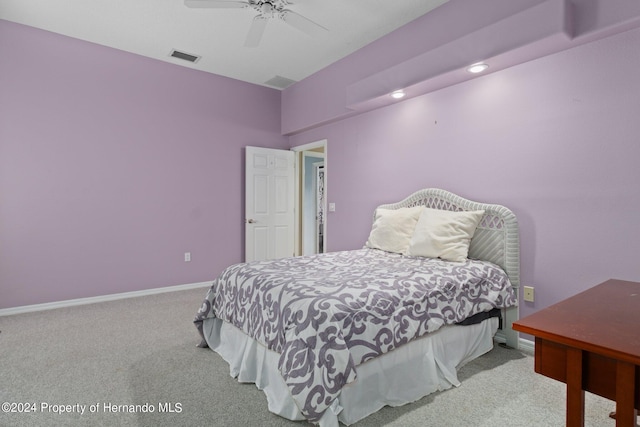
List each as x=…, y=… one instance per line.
x=267, y=10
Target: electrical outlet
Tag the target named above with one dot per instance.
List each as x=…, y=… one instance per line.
x=528, y=293
x=187, y=256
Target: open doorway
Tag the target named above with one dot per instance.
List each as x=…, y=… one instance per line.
x=311, y=206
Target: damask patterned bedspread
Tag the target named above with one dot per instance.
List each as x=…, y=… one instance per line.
x=325, y=314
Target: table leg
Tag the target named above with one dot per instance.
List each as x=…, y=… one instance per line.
x=625, y=386
x=575, y=393
x=613, y=415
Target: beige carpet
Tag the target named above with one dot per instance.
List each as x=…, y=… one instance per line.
x=111, y=355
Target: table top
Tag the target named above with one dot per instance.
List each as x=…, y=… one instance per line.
x=604, y=319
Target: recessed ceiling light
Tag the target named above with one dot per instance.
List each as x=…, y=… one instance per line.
x=398, y=94
x=477, y=68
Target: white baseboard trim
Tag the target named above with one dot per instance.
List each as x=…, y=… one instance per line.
x=524, y=345
x=102, y=298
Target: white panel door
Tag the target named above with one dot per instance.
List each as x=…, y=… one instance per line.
x=269, y=203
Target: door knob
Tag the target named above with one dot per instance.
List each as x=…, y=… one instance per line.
x=251, y=221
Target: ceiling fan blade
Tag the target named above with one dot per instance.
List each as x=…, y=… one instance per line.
x=303, y=24
x=256, y=31
x=215, y=4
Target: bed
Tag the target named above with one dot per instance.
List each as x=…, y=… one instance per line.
x=334, y=337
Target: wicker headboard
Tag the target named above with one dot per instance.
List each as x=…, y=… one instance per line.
x=496, y=239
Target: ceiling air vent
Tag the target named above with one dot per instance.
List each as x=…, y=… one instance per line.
x=184, y=56
x=279, y=82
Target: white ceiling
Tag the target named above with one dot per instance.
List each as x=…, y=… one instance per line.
x=153, y=28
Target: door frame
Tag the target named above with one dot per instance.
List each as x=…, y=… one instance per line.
x=310, y=171
x=320, y=208
x=297, y=222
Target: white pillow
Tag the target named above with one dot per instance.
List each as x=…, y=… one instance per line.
x=444, y=234
x=392, y=229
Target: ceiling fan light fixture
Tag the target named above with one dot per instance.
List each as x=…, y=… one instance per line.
x=267, y=10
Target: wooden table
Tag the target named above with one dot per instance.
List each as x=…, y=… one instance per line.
x=591, y=342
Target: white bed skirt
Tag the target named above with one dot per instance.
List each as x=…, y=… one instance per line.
x=404, y=375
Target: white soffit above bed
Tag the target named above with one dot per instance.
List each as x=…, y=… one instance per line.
x=537, y=29
x=531, y=33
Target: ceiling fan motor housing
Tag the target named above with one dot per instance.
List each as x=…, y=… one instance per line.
x=267, y=10
x=270, y=8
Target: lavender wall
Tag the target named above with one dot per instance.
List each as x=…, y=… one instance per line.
x=113, y=165
x=555, y=139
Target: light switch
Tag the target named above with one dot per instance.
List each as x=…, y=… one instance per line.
x=332, y=207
